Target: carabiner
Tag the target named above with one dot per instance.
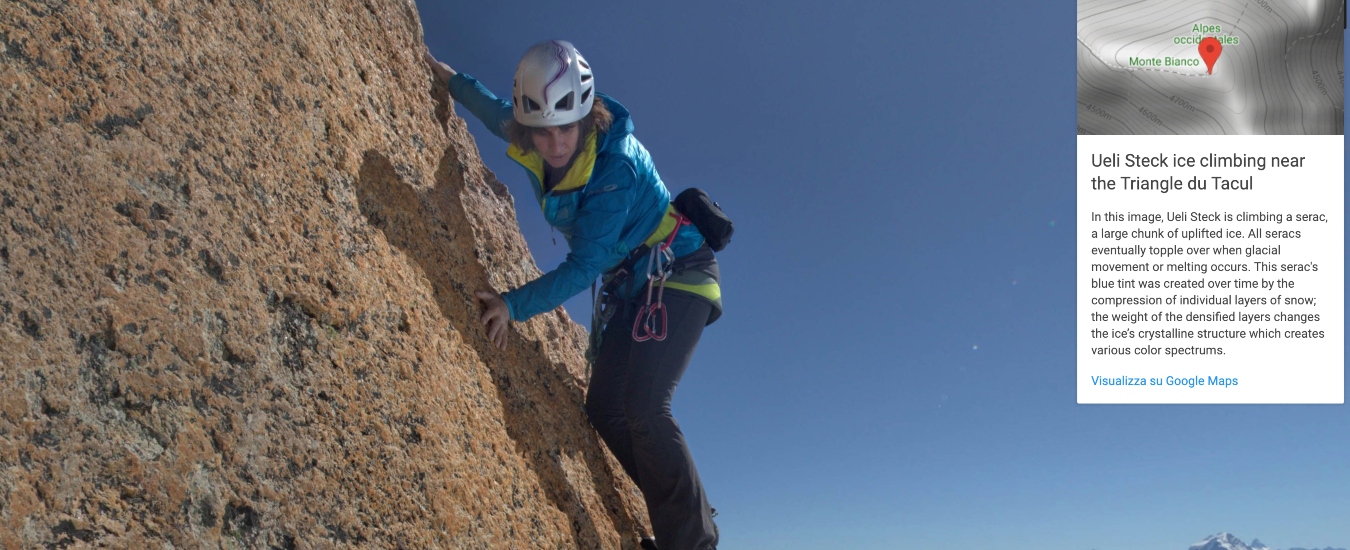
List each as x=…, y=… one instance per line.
x=660, y=264
x=646, y=327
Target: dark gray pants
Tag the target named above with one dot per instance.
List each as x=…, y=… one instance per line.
x=629, y=404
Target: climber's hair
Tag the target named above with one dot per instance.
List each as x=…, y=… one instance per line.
x=599, y=119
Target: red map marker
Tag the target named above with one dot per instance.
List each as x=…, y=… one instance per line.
x=1210, y=48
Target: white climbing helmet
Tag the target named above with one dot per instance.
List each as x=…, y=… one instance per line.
x=553, y=85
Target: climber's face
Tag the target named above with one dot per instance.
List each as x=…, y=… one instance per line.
x=556, y=144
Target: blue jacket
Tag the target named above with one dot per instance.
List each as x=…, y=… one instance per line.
x=610, y=202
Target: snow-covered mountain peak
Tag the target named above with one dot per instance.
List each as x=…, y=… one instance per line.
x=1222, y=541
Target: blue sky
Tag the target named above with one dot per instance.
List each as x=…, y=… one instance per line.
x=896, y=365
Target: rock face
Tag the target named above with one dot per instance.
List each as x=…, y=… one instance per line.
x=238, y=245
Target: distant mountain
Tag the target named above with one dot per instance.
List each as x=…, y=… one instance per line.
x=1223, y=541
x=1226, y=541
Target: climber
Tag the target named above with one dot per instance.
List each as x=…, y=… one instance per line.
x=597, y=186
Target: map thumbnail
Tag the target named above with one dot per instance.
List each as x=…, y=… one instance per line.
x=1211, y=67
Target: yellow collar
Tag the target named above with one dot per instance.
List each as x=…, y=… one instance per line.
x=576, y=177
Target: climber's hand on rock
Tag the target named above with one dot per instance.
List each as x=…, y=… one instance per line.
x=442, y=71
x=495, y=315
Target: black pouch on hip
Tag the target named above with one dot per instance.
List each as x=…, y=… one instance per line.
x=707, y=216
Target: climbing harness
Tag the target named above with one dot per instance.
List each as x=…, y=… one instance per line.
x=660, y=261
x=660, y=264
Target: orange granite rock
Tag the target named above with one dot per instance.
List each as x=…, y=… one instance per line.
x=238, y=247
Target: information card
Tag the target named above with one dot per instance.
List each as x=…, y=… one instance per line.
x=1211, y=269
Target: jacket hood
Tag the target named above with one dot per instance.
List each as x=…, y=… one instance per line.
x=621, y=127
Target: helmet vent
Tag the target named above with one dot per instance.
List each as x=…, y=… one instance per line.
x=586, y=95
x=529, y=105
x=565, y=104
x=585, y=78
x=583, y=63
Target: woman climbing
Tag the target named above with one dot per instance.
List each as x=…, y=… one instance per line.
x=597, y=186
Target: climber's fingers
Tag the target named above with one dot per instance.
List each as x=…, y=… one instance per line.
x=442, y=71
x=495, y=316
